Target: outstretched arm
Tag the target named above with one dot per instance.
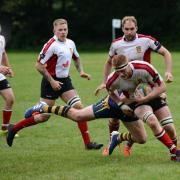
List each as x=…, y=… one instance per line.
x=168, y=63
x=106, y=72
x=79, y=68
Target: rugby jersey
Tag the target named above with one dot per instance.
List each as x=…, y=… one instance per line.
x=57, y=55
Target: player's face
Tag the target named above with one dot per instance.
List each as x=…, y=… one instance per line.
x=125, y=73
x=129, y=29
x=61, y=31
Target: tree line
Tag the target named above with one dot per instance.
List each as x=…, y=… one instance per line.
x=28, y=23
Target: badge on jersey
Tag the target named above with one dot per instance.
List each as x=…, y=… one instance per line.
x=138, y=49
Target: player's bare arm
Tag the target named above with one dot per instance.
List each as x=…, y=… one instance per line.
x=106, y=72
x=56, y=85
x=119, y=101
x=79, y=68
x=168, y=63
x=156, y=91
x=5, y=62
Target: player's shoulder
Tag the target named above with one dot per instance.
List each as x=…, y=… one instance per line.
x=138, y=62
x=51, y=41
x=117, y=40
x=2, y=41
x=148, y=37
x=113, y=76
x=2, y=38
x=138, y=65
x=70, y=41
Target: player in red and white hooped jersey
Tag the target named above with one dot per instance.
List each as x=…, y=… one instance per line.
x=126, y=78
x=5, y=88
x=137, y=47
x=54, y=63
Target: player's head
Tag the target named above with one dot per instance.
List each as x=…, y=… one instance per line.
x=129, y=27
x=121, y=66
x=60, y=28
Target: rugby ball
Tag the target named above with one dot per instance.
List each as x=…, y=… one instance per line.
x=143, y=88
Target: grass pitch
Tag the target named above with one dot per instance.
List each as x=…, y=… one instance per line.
x=54, y=150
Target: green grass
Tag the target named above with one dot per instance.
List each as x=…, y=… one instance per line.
x=55, y=151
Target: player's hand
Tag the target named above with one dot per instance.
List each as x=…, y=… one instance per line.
x=99, y=88
x=56, y=85
x=85, y=75
x=10, y=73
x=139, y=97
x=126, y=109
x=168, y=77
x=4, y=70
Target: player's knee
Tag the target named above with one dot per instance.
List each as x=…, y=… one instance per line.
x=75, y=102
x=78, y=106
x=150, y=119
x=167, y=122
x=78, y=117
x=142, y=140
x=10, y=101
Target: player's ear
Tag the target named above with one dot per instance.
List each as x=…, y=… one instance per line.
x=136, y=28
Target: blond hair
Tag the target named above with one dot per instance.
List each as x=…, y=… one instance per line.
x=59, y=21
x=129, y=18
x=119, y=61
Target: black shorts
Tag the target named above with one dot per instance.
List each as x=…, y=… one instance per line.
x=47, y=91
x=4, y=84
x=155, y=103
x=107, y=108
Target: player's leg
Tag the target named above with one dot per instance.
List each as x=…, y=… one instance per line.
x=73, y=100
x=139, y=135
x=165, y=118
x=136, y=134
x=8, y=97
x=113, y=125
x=146, y=113
x=27, y=122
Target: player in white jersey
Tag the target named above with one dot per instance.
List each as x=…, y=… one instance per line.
x=54, y=63
x=137, y=47
x=125, y=79
x=5, y=88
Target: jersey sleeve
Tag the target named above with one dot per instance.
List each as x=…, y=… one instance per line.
x=154, y=44
x=2, y=43
x=153, y=76
x=111, y=81
x=46, y=52
x=112, y=50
